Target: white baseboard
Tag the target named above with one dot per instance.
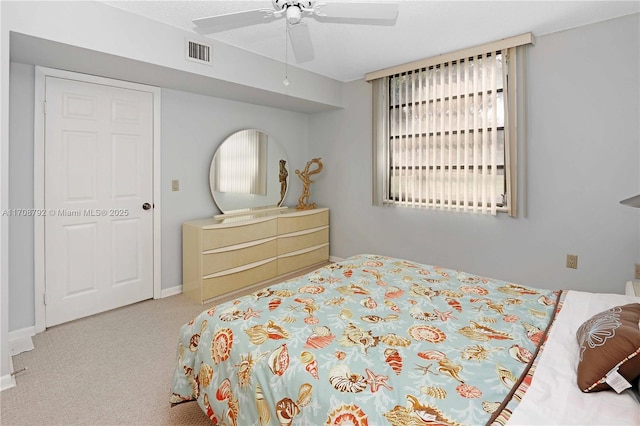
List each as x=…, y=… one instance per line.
x=171, y=291
x=20, y=340
x=335, y=259
x=8, y=381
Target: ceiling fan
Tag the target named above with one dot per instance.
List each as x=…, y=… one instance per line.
x=350, y=12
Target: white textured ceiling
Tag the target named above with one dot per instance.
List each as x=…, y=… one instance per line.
x=346, y=52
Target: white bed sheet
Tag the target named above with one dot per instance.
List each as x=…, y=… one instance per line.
x=554, y=397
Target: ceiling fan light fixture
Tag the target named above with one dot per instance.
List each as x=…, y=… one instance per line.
x=294, y=14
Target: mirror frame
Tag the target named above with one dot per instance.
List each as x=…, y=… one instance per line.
x=230, y=203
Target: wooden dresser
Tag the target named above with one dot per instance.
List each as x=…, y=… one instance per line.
x=224, y=255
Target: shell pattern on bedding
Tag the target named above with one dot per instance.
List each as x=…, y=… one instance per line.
x=371, y=340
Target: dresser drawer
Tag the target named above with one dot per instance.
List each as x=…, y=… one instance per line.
x=221, y=255
x=235, y=256
x=231, y=235
x=301, y=240
x=302, y=260
x=304, y=221
x=212, y=287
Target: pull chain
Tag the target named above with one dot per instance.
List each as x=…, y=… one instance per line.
x=286, y=55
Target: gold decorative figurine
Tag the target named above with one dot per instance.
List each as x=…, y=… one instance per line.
x=305, y=175
x=283, y=175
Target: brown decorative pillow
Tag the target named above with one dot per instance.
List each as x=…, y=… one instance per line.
x=608, y=340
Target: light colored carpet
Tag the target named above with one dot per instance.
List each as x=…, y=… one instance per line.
x=113, y=368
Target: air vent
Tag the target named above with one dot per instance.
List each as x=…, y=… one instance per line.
x=198, y=52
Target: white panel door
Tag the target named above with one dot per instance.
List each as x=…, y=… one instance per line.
x=98, y=177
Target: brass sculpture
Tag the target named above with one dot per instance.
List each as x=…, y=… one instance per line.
x=305, y=175
x=284, y=174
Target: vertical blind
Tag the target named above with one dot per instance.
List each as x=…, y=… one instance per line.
x=445, y=131
x=240, y=166
x=446, y=135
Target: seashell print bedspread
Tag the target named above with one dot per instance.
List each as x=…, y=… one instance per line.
x=371, y=340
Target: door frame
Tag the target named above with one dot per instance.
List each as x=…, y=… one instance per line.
x=39, y=178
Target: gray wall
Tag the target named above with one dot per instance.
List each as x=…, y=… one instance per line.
x=583, y=157
x=192, y=128
x=21, y=272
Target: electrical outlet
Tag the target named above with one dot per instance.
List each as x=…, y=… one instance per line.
x=572, y=261
x=637, y=276
x=175, y=185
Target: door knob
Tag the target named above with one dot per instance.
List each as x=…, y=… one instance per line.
x=146, y=206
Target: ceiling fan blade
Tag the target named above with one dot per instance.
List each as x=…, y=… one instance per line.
x=213, y=24
x=352, y=11
x=301, y=42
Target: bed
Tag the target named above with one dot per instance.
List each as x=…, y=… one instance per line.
x=374, y=340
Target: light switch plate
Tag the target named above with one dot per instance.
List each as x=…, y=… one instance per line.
x=175, y=185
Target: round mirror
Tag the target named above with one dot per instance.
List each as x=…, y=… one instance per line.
x=249, y=170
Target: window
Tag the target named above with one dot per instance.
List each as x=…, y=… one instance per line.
x=445, y=132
